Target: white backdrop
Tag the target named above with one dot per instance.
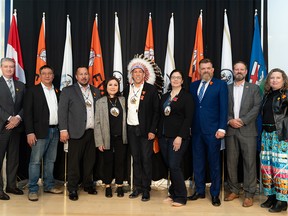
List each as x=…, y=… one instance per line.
x=278, y=34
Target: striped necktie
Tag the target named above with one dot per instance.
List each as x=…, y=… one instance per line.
x=201, y=91
x=9, y=82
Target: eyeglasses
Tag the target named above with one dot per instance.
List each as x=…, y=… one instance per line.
x=176, y=77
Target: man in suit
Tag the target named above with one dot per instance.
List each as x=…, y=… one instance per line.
x=76, y=124
x=142, y=119
x=11, y=114
x=208, y=128
x=244, y=105
x=41, y=125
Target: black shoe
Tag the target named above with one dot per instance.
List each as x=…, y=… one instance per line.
x=120, y=192
x=4, y=196
x=135, y=194
x=196, y=196
x=90, y=190
x=15, y=191
x=216, y=201
x=73, y=195
x=145, y=196
x=108, y=192
x=279, y=206
x=269, y=202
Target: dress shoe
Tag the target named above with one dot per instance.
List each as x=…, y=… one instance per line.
x=269, y=202
x=231, y=197
x=4, y=196
x=279, y=206
x=196, y=196
x=135, y=194
x=108, y=192
x=248, y=201
x=90, y=190
x=145, y=196
x=54, y=191
x=216, y=201
x=73, y=195
x=120, y=192
x=33, y=196
x=15, y=191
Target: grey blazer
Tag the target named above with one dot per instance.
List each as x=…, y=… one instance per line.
x=72, y=114
x=249, y=110
x=102, y=127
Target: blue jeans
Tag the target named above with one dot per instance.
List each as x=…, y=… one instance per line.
x=46, y=149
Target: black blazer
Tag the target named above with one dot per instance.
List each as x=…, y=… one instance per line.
x=36, y=111
x=148, y=112
x=179, y=121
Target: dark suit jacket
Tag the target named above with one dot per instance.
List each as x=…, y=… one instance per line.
x=179, y=121
x=249, y=110
x=36, y=111
x=7, y=106
x=148, y=112
x=72, y=115
x=211, y=114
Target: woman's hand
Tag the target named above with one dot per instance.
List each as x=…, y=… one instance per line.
x=177, y=143
x=101, y=148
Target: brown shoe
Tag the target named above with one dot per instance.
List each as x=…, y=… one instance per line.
x=231, y=197
x=248, y=202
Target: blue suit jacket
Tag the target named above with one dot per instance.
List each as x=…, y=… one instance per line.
x=211, y=114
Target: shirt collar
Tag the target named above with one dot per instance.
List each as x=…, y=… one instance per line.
x=45, y=87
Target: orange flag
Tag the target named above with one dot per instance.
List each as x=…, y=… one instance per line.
x=149, y=53
x=96, y=68
x=197, y=54
x=149, y=45
x=41, y=51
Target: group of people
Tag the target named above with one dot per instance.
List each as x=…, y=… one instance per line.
x=210, y=112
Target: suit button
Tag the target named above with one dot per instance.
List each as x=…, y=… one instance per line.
x=200, y=106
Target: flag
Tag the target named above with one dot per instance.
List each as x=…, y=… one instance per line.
x=67, y=68
x=169, y=59
x=96, y=68
x=198, y=53
x=149, y=44
x=41, y=51
x=257, y=69
x=149, y=53
x=226, y=60
x=14, y=50
x=117, y=64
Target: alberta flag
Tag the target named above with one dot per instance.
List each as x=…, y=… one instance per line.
x=257, y=69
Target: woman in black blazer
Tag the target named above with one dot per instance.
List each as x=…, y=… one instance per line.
x=173, y=132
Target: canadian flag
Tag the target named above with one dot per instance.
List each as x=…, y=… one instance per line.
x=41, y=51
x=14, y=50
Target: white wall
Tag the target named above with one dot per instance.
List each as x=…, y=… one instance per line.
x=278, y=34
x=2, y=27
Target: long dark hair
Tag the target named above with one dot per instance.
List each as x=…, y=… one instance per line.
x=106, y=84
x=267, y=87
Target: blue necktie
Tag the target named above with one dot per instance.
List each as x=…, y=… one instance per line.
x=201, y=91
